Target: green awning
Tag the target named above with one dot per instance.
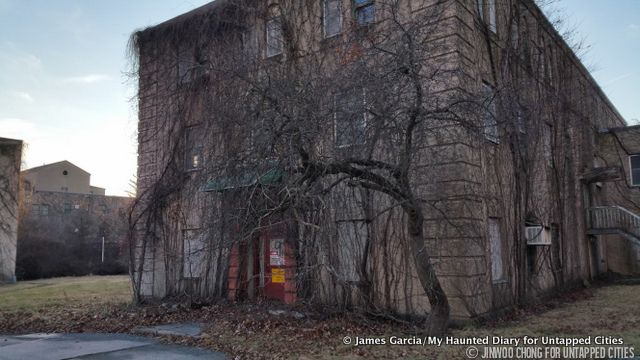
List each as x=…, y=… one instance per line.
x=247, y=179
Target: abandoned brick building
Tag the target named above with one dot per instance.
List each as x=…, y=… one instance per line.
x=284, y=147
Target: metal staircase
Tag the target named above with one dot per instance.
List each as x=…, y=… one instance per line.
x=614, y=220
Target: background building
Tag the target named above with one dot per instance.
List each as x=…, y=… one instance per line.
x=63, y=214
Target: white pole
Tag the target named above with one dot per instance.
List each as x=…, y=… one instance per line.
x=103, y=249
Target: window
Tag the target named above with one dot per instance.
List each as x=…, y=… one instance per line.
x=547, y=144
x=487, y=12
x=332, y=17
x=274, y=37
x=193, y=253
x=44, y=210
x=66, y=207
x=249, y=42
x=364, y=11
x=521, y=122
x=35, y=209
x=550, y=67
x=263, y=135
x=556, y=246
x=186, y=63
x=492, y=15
x=489, y=121
x=352, y=235
x=193, y=148
x=532, y=255
x=350, y=118
x=634, y=165
x=495, y=242
x=480, y=9
x=515, y=34
x=104, y=208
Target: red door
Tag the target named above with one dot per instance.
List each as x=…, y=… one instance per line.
x=274, y=271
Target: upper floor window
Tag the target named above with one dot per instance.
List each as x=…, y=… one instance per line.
x=515, y=34
x=364, y=11
x=489, y=122
x=67, y=208
x=249, y=41
x=491, y=5
x=498, y=272
x=332, y=17
x=193, y=148
x=186, y=63
x=487, y=13
x=480, y=9
x=350, y=118
x=634, y=169
x=274, y=36
x=547, y=145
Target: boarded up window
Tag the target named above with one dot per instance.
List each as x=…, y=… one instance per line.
x=332, y=17
x=491, y=4
x=274, y=37
x=547, y=145
x=351, y=240
x=489, y=121
x=186, y=63
x=194, y=253
x=495, y=243
x=350, y=117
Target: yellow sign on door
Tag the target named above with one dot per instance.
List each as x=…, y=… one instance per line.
x=277, y=276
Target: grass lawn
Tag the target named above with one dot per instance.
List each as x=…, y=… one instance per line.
x=249, y=331
x=64, y=292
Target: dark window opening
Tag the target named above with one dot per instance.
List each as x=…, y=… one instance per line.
x=634, y=163
x=532, y=253
x=364, y=11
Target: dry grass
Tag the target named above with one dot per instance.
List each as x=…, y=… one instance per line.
x=62, y=292
x=248, y=331
x=612, y=310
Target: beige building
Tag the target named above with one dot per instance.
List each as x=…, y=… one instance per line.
x=60, y=188
x=69, y=227
x=501, y=158
x=61, y=176
x=10, y=161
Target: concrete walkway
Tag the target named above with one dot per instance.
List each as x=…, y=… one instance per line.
x=95, y=347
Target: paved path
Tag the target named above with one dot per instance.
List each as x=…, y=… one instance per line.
x=95, y=347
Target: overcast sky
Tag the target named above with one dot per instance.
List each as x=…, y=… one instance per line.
x=63, y=88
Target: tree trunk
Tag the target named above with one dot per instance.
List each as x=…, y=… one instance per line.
x=439, y=316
